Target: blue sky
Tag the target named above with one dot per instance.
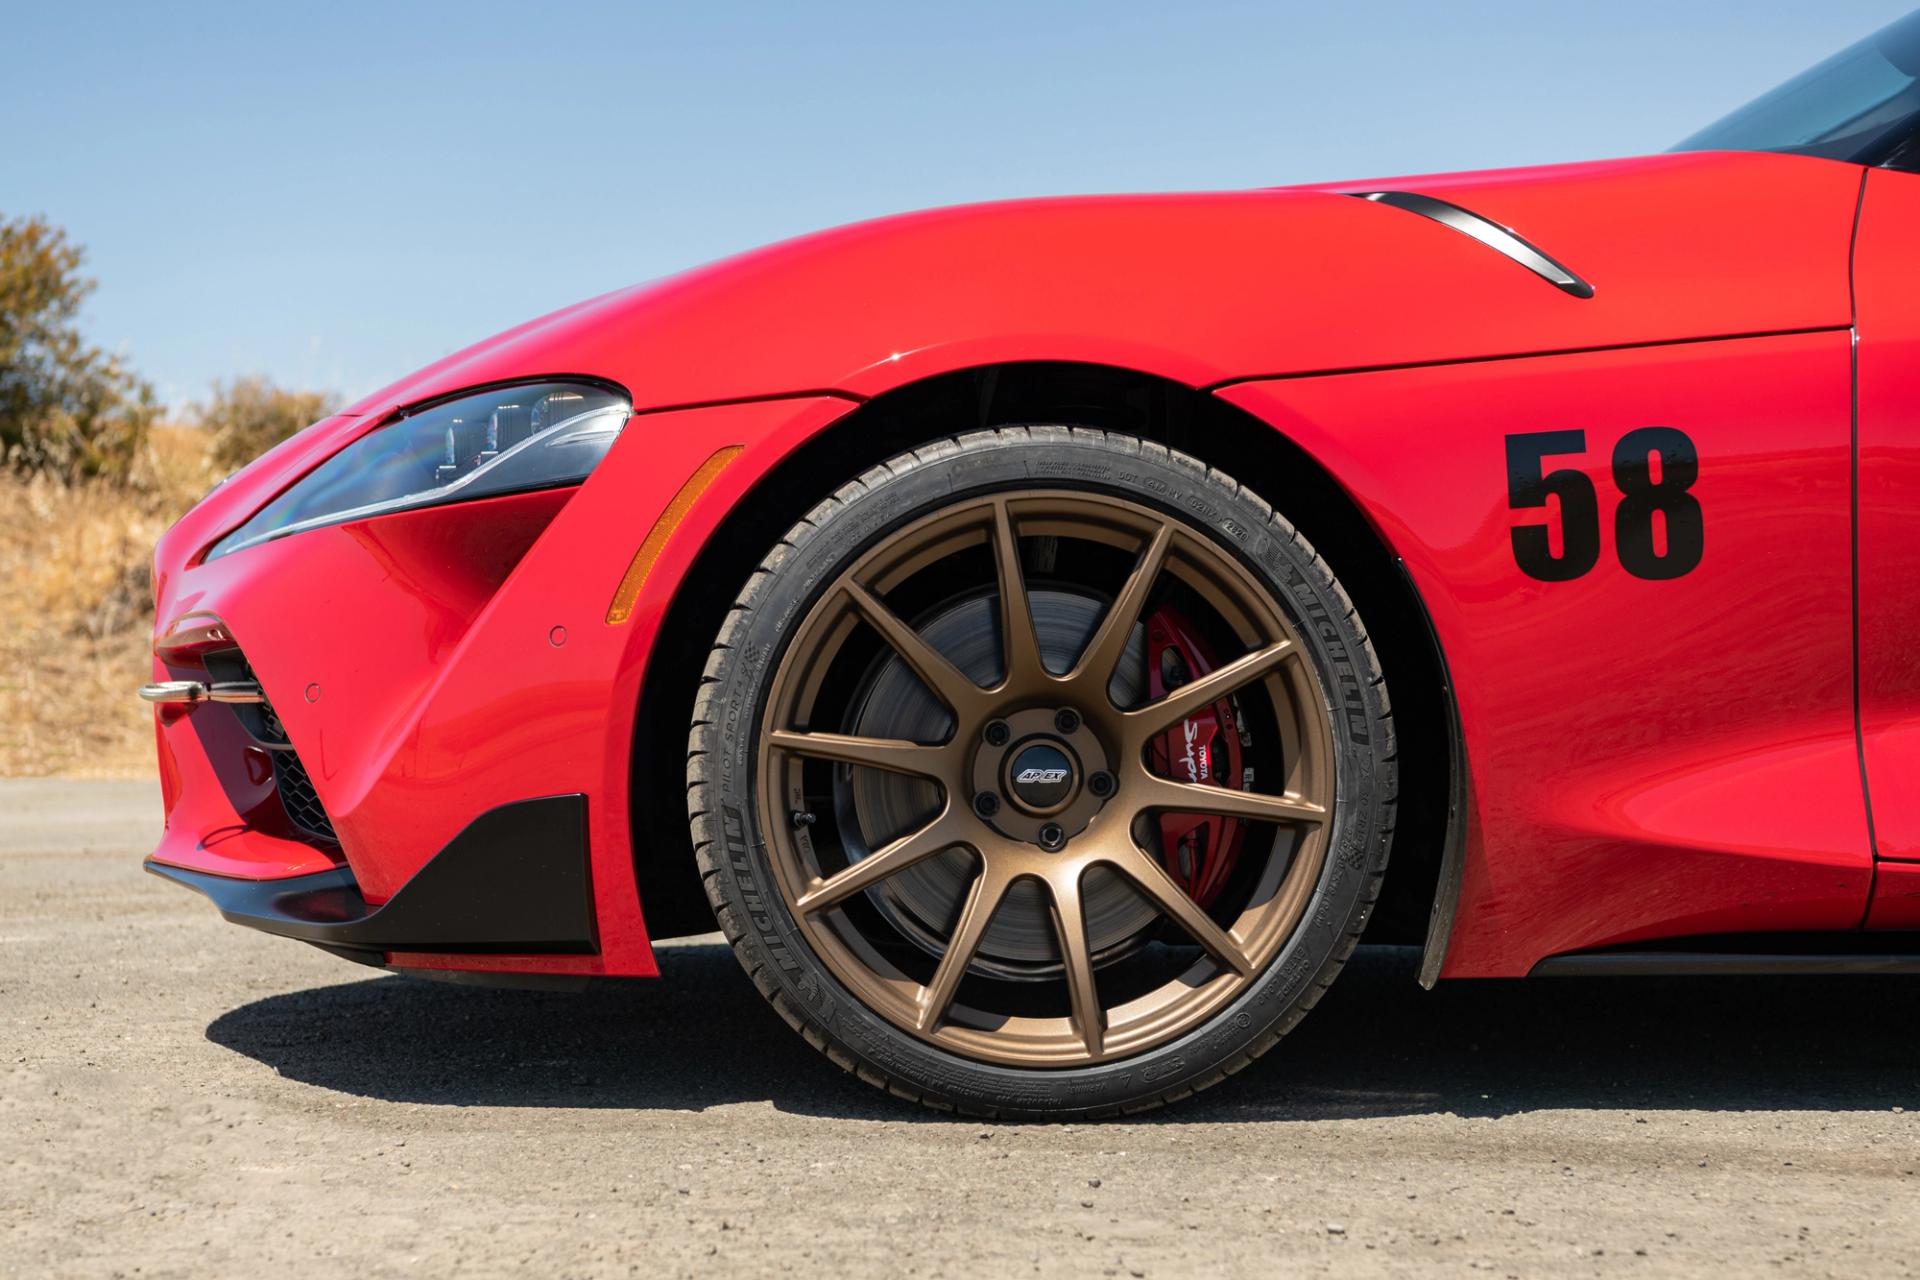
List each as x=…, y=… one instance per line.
x=335, y=194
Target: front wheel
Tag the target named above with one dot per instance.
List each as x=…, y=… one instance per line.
x=1043, y=773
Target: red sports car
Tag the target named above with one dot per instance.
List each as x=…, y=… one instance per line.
x=1029, y=628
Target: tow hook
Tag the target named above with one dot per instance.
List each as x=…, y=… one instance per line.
x=193, y=691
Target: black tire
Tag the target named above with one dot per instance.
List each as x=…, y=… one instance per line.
x=733, y=855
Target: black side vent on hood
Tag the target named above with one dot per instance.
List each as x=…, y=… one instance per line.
x=1502, y=240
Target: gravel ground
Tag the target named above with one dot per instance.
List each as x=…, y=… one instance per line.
x=180, y=1097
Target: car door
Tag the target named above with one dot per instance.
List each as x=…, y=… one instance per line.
x=1886, y=280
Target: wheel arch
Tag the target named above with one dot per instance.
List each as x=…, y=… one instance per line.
x=1181, y=417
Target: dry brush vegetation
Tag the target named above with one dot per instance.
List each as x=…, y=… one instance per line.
x=76, y=612
x=88, y=481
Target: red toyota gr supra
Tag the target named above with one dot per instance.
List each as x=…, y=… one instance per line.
x=1030, y=628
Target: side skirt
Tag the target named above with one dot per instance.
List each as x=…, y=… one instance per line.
x=1744, y=955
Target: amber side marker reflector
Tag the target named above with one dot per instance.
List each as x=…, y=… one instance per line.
x=636, y=576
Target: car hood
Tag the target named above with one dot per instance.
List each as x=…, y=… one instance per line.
x=1203, y=288
x=1209, y=287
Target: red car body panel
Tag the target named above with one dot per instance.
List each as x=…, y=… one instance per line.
x=1630, y=741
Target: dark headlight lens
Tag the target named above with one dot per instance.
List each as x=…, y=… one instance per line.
x=510, y=440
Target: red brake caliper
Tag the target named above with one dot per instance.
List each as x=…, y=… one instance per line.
x=1198, y=849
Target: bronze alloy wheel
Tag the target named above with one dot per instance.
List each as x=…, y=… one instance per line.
x=1042, y=776
x=1013, y=728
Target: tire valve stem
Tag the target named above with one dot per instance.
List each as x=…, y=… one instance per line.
x=803, y=818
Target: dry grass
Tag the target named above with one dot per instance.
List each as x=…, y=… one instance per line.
x=76, y=611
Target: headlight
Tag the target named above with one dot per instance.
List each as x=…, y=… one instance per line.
x=536, y=436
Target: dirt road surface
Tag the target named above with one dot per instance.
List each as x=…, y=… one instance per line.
x=181, y=1097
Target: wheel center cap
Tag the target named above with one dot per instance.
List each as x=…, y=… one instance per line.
x=1041, y=777
x=1040, y=768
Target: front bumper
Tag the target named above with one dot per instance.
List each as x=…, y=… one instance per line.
x=514, y=880
x=420, y=668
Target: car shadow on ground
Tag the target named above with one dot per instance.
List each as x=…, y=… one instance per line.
x=1377, y=1046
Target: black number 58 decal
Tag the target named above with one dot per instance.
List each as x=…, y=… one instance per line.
x=1530, y=484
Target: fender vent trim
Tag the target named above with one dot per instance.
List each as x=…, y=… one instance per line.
x=1502, y=240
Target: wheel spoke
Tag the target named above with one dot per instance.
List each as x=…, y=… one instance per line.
x=1200, y=797
x=989, y=887
x=946, y=681
x=1210, y=688
x=936, y=837
x=1020, y=649
x=1101, y=657
x=1070, y=924
x=891, y=754
x=1152, y=879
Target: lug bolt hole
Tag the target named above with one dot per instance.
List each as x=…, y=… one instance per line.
x=1101, y=784
x=1052, y=837
x=986, y=804
x=1067, y=720
x=996, y=733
